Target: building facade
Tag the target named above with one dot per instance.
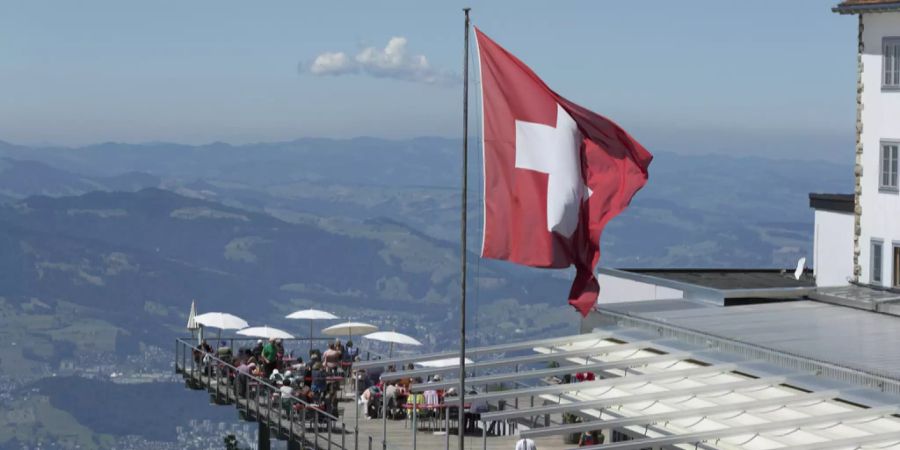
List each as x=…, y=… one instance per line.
x=857, y=238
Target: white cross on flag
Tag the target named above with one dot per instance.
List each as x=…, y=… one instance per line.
x=554, y=173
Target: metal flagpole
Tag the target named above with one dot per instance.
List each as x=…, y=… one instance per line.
x=465, y=181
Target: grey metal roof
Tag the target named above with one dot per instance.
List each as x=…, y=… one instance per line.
x=733, y=278
x=840, y=335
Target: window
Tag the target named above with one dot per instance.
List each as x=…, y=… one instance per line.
x=891, y=63
x=888, y=173
x=896, y=265
x=877, y=255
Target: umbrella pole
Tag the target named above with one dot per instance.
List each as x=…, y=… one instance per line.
x=310, y=336
x=391, y=351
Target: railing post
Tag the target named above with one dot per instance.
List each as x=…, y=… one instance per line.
x=316, y=427
x=343, y=435
x=264, y=440
x=330, y=425
x=216, y=394
x=415, y=424
x=483, y=435
x=370, y=442
x=356, y=418
x=303, y=425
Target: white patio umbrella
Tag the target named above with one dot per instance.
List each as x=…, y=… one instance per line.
x=192, y=318
x=192, y=324
x=349, y=329
x=445, y=362
x=265, y=332
x=392, y=337
x=222, y=321
x=310, y=315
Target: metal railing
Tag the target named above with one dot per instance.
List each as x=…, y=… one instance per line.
x=257, y=399
x=292, y=345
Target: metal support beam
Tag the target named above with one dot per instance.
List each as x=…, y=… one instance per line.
x=263, y=440
x=486, y=349
x=688, y=438
x=530, y=374
x=877, y=438
x=680, y=414
x=607, y=402
x=608, y=382
x=529, y=359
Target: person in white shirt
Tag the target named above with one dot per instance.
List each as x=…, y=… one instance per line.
x=525, y=444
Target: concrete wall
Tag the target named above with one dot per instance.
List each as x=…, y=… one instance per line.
x=881, y=120
x=833, y=248
x=617, y=290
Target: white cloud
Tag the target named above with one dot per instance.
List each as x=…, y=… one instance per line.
x=332, y=64
x=393, y=61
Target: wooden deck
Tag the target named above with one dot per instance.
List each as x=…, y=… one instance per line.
x=307, y=432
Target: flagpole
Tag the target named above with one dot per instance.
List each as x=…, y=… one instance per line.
x=465, y=182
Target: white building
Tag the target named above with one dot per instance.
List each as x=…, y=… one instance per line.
x=857, y=237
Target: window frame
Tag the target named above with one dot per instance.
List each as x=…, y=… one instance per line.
x=895, y=158
x=894, y=43
x=872, y=253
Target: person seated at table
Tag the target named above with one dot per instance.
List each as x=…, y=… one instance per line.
x=332, y=358
x=201, y=350
x=276, y=376
x=584, y=376
x=285, y=392
x=307, y=374
x=392, y=395
x=315, y=354
x=289, y=377
x=436, y=378
x=319, y=381
x=419, y=401
x=279, y=353
x=256, y=351
x=369, y=396
x=269, y=355
x=473, y=414
x=589, y=438
x=351, y=353
x=243, y=371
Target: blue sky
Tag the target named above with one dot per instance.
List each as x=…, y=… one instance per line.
x=771, y=78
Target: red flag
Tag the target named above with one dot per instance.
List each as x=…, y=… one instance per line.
x=554, y=173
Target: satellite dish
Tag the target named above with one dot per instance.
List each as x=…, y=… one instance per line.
x=801, y=264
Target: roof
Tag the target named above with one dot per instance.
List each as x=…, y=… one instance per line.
x=832, y=202
x=729, y=279
x=845, y=337
x=664, y=392
x=866, y=6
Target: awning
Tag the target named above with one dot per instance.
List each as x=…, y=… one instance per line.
x=662, y=393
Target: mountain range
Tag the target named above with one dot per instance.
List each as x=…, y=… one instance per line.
x=104, y=247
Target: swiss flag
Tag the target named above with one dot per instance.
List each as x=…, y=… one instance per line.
x=554, y=173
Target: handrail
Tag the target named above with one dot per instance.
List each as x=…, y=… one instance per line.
x=259, y=380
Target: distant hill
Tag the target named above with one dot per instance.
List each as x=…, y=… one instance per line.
x=115, y=252
x=24, y=178
x=712, y=210
x=102, y=249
